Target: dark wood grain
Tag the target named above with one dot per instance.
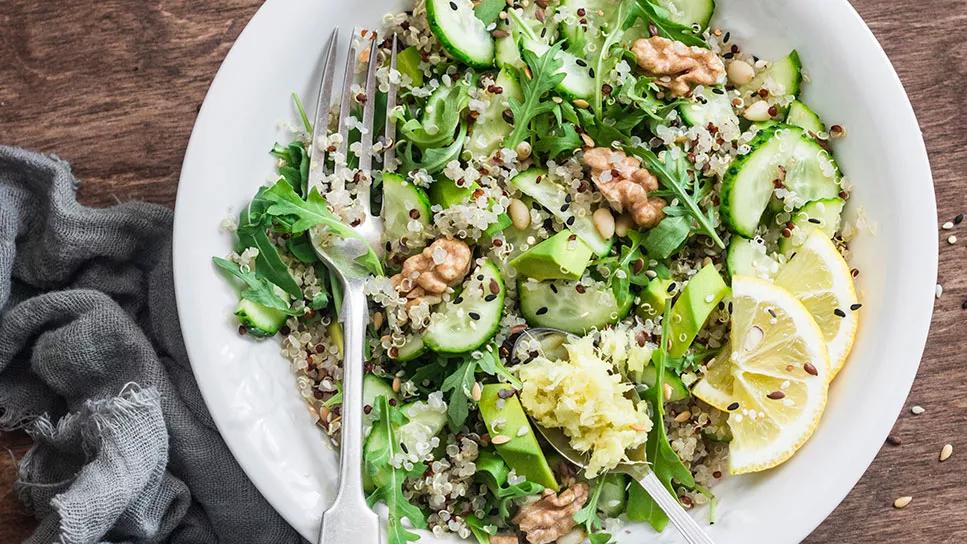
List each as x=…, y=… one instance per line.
x=113, y=87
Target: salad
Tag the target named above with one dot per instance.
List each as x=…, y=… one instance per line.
x=621, y=170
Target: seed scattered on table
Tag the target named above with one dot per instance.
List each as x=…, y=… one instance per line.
x=939, y=290
x=946, y=452
x=902, y=502
x=917, y=410
x=947, y=226
x=894, y=440
x=952, y=239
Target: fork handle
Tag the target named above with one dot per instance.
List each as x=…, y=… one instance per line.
x=685, y=523
x=349, y=519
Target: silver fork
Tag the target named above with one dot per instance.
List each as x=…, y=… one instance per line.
x=349, y=519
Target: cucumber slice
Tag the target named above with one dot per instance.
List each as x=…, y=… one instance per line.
x=490, y=128
x=810, y=174
x=374, y=387
x=472, y=318
x=578, y=81
x=690, y=12
x=413, y=348
x=800, y=115
x=649, y=376
x=259, y=320
x=536, y=184
x=426, y=420
x=507, y=53
x=716, y=109
x=560, y=305
x=824, y=215
x=404, y=202
x=461, y=33
x=750, y=258
x=783, y=77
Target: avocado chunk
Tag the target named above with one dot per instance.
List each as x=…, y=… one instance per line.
x=649, y=377
x=653, y=298
x=563, y=256
x=522, y=452
x=700, y=296
x=445, y=192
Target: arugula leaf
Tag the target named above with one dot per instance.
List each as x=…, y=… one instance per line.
x=259, y=290
x=667, y=237
x=561, y=139
x=488, y=10
x=588, y=516
x=301, y=248
x=604, y=60
x=459, y=384
x=434, y=159
x=381, y=448
x=295, y=165
x=493, y=471
x=544, y=77
x=408, y=63
x=480, y=531
x=302, y=114
x=673, y=174
x=490, y=364
x=314, y=211
x=664, y=461
x=652, y=12
x=268, y=264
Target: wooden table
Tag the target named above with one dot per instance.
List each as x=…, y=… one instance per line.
x=113, y=87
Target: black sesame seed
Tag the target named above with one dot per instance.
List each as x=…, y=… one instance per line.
x=479, y=277
x=959, y=219
x=580, y=62
x=728, y=55
x=542, y=310
x=772, y=312
x=570, y=221
x=732, y=407
x=453, y=6
x=474, y=315
x=564, y=208
x=543, y=32
x=490, y=298
x=458, y=300
x=403, y=447
x=591, y=72
x=718, y=91
x=855, y=307
x=839, y=313
x=554, y=288
x=568, y=198
x=814, y=221
x=672, y=286
x=726, y=38
x=964, y=305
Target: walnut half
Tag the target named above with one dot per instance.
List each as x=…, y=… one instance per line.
x=625, y=184
x=442, y=264
x=552, y=516
x=678, y=67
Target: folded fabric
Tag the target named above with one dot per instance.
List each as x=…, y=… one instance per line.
x=92, y=365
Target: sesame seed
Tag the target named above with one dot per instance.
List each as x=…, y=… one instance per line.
x=952, y=239
x=490, y=298
x=474, y=315
x=500, y=439
x=939, y=290
x=523, y=430
x=959, y=219
x=902, y=502
x=855, y=307
x=453, y=6
x=917, y=410
x=947, y=226
x=580, y=62
x=894, y=440
x=814, y=221
x=839, y=313
x=733, y=407
x=542, y=310
x=946, y=452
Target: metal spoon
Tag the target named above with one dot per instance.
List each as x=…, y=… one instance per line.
x=549, y=343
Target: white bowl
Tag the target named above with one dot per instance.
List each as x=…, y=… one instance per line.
x=251, y=392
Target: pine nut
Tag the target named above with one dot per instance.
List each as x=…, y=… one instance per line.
x=397, y=383
x=740, y=72
x=604, y=222
x=520, y=216
x=758, y=111
x=622, y=225
x=902, y=502
x=946, y=452
x=523, y=150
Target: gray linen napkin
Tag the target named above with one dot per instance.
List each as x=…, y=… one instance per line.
x=93, y=367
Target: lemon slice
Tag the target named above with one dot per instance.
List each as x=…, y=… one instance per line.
x=820, y=278
x=715, y=387
x=779, y=373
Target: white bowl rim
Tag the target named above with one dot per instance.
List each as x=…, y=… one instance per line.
x=799, y=528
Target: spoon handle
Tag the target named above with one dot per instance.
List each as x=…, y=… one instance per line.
x=685, y=523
